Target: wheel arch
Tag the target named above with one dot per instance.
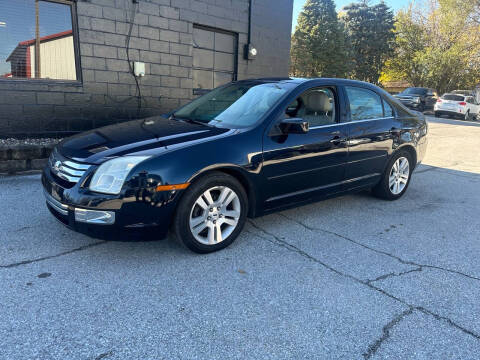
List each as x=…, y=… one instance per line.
x=411, y=150
x=241, y=176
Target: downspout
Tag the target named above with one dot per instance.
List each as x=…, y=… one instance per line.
x=249, y=51
x=250, y=4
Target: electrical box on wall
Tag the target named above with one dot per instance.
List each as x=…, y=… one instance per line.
x=139, y=69
x=250, y=52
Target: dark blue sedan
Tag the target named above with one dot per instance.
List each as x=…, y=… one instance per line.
x=243, y=150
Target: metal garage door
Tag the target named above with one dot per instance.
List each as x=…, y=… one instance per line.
x=214, y=58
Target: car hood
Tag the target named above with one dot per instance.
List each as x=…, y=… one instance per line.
x=149, y=135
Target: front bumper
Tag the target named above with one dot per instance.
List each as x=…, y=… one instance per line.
x=97, y=217
x=411, y=104
x=134, y=212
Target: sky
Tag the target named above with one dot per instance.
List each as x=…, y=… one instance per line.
x=298, y=5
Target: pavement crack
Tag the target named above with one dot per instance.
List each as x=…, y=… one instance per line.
x=26, y=262
x=399, y=259
x=282, y=243
x=448, y=321
x=393, y=274
x=373, y=348
x=278, y=241
x=104, y=355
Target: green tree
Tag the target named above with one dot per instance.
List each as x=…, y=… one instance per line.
x=370, y=38
x=318, y=43
x=410, y=42
x=438, y=47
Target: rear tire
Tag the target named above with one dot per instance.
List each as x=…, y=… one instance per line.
x=211, y=214
x=396, y=178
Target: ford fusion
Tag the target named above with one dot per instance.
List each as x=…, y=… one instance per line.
x=245, y=149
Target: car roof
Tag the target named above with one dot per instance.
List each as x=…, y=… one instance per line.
x=297, y=81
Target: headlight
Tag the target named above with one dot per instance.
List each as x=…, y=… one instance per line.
x=416, y=99
x=111, y=175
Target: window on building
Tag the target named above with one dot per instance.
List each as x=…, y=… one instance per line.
x=37, y=40
x=214, y=55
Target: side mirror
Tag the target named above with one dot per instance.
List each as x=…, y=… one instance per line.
x=294, y=126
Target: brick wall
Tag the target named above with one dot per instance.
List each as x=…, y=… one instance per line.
x=162, y=38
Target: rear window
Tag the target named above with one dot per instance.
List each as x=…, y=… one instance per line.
x=453, y=97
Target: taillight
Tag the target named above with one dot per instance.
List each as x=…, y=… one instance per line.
x=439, y=100
x=463, y=103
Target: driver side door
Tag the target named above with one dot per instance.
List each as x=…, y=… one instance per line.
x=299, y=167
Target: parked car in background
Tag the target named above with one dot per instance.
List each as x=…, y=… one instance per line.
x=418, y=98
x=457, y=106
x=245, y=149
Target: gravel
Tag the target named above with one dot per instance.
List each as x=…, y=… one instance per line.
x=29, y=141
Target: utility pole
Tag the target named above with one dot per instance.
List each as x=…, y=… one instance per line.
x=37, y=42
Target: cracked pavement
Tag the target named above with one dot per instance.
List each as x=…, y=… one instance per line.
x=351, y=278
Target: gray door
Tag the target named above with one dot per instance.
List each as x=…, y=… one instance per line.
x=214, y=58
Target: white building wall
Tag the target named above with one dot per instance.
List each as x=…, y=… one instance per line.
x=57, y=59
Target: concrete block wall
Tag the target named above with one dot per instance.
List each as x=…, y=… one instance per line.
x=162, y=38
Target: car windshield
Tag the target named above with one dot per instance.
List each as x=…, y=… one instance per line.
x=233, y=106
x=415, y=91
x=453, y=97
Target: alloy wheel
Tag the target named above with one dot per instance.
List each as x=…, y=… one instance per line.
x=215, y=215
x=399, y=175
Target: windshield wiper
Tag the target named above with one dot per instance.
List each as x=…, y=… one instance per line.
x=191, y=121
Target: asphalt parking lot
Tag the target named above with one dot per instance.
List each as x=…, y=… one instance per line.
x=351, y=278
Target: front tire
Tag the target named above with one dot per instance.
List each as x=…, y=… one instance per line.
x=211, y=214
x=396, y=178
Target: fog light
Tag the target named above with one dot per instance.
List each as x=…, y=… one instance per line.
x=95, y=216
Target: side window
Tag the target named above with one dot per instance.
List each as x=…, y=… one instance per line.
x=364, y=104
x=388, y=109
x=317, y=106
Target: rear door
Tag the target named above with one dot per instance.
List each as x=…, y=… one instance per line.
x=371, y=130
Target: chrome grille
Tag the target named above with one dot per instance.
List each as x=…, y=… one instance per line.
x=68, y=170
